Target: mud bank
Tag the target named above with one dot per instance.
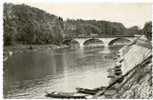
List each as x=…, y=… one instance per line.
x=137, y=72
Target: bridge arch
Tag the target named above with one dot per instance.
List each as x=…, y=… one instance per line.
x=83, y=42
x=74, y=41
x=67, y=41
x=119, y=41
x=102, y=41
x=93, y=40
x=70, y=41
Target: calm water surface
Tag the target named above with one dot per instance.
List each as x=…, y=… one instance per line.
x=30, y=73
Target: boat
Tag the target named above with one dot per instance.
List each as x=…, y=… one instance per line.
x=117, y=70
x=111, y=76
x=121, y=60
x=89, y=91
x=118, y=66
x=118, y=73
x=68, y=95
x=93, y=91
x=86, y=91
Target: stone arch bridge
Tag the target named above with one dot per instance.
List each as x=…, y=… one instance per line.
x=105, y=41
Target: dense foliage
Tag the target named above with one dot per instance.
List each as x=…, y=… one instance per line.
x=27, y=25
x=147, y=30
x=82, y=28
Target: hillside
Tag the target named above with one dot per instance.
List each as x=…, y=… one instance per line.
x=89, y=27
x=28, y=25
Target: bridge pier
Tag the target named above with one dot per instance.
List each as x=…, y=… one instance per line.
x=81, y=42
x=81, y=45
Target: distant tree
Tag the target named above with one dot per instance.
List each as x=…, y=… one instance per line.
x=134, y=30
x=147, y=30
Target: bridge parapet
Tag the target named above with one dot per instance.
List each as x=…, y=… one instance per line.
x=113, y=36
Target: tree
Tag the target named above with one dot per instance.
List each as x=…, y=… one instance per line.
x=147, y=30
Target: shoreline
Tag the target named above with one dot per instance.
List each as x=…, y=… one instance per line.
x=10, y=50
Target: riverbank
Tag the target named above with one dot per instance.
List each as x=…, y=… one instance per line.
x=10, y=50
x=136, y=72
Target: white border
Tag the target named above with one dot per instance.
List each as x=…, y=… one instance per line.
x=1, y=49
x=51, y=1
x=83, y=1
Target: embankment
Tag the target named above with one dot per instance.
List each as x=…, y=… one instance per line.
x=137, y=72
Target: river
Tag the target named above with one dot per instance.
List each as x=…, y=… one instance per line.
x=30, y=73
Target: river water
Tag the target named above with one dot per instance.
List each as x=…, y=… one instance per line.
x=30, y=73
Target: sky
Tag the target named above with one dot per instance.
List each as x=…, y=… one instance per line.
x=129, y=14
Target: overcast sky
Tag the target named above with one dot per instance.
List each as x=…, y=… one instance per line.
x=126, y=13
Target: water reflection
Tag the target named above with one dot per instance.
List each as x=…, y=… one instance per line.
x=60, y=70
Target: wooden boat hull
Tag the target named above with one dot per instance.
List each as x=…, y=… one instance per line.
x=86, y=91
x=65, y=95
x=89, y=91
x=94, y=91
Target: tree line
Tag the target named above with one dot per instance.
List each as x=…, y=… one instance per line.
x=28, y=25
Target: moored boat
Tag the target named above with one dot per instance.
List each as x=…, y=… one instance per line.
x=93, y=91
x=88, y=91
x=66, y=95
